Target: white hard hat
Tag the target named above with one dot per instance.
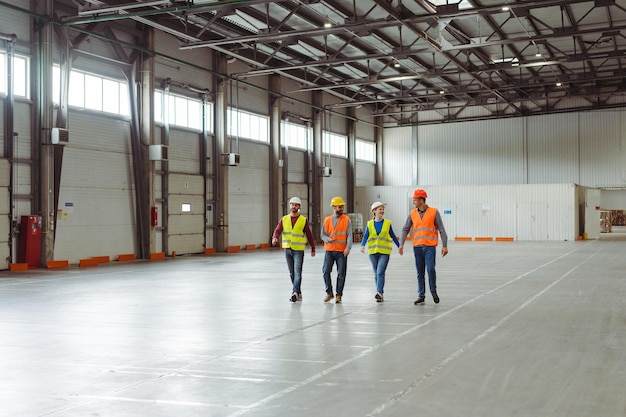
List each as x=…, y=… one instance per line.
x=295, y=200
x=376, y=205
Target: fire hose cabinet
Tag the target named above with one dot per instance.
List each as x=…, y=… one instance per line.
x=29, y=250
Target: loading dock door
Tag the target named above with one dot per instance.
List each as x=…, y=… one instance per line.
x=5, y=220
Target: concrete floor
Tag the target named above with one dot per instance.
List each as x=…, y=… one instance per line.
x=523, y=329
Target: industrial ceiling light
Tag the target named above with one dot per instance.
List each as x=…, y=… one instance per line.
x=328, y=25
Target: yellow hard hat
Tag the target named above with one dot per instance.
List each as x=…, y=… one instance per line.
x=337, y=201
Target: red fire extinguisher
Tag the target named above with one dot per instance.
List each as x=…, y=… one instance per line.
x=154, y=216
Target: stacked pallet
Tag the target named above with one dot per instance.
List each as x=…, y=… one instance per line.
x=618, y=218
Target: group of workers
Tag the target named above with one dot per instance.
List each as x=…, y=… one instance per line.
x=422, y=227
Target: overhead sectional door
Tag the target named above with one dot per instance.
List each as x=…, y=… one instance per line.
x=5, y=219
x=186, y=201
x=248, y=187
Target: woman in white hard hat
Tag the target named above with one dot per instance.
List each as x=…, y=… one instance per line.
x=378, y=237
x=295, y=231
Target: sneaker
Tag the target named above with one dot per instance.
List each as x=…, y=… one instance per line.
x=420, y=300
x=338, y=299
x=435, y=298
x=299, y=296
x=379, y=297
x=328, y=297
x=294, y=297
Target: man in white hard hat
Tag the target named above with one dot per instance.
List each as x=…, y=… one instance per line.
x=295, y=231
x=337, y=237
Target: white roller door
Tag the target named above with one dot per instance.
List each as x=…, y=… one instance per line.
x=96, y=199
x=186, y=207
x=5, y=220
x=248, y=189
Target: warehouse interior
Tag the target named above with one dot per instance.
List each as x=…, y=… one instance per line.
x=148, y=148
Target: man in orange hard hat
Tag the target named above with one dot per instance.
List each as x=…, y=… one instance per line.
x=421, y=227
x=337, y=237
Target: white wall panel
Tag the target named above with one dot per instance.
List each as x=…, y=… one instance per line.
x=398, y=156
x=603, y=153
x=196, y=76
x=252, y=99
x=524, y=212
x=365, y=173
x=335, y=185
x=484, y=152
x=553, y=149
x=293, y=100
x=248, y=210
x=613, y=199
x=14, y=22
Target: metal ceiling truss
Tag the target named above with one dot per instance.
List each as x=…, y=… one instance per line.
x=389, y=55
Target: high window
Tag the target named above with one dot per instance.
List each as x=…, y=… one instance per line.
x=21, y=71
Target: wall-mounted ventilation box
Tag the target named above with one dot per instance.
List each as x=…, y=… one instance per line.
x=325, y=171
x=231, y=159
x=59, y=136
x=157, y=153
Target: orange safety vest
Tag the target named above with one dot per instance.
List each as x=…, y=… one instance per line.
x=424, y=231
x=339, y=233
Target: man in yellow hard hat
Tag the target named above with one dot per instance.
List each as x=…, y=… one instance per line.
x=337, y=237
x=295, y=231
x=421, y=227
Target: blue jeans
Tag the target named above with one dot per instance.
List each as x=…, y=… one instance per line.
x=425, y=261
x=379, y=264
x=330, y=257
x=295, y=258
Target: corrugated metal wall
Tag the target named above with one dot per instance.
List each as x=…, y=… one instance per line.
x=523, y=212
x=398, y=156
x=583, y=148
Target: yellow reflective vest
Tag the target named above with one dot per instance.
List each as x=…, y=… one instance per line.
x=294, y=237
x=379, y=243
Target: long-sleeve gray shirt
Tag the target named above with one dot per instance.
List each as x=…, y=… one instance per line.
x=335, y=219
x=438, y=224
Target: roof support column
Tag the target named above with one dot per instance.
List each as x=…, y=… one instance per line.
x=221, y=171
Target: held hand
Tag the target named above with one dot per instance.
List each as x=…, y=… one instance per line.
x=401, y=250
x=444, y=251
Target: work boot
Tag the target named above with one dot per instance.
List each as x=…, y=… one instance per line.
x=420, y=300
x=435, y=298
x=379, y=297
x=294, y=297
x=328, y=297
x=299, y=296
x=338, y=299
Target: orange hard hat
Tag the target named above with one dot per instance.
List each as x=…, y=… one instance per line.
x=420, y=194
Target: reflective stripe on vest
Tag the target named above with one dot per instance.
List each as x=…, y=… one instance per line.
x=294, y=238
x=424, y=232
x=339, y=233
x=379, y=243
